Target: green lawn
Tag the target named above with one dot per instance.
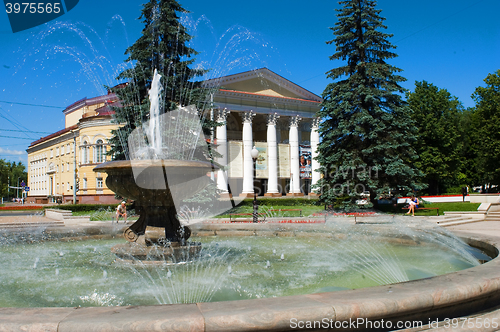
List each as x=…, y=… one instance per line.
x=307, y=210
x=444, y=207
x=101, y=215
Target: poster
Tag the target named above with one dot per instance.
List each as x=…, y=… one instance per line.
x=261, y=171
x=305, y=161
x=284, y=160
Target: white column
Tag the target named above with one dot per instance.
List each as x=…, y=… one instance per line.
x=294, y=155
x=272, y=155
x=314, y=153
x=247, y=152
x=221, y=135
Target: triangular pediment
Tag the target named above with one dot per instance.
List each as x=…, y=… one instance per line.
x=263, y=82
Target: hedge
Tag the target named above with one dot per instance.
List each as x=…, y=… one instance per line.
x=84, y=207
x=279, y=201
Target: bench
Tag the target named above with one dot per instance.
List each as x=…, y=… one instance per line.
x=424, y=208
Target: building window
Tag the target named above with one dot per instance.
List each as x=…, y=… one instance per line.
x=62, y=150
x=51, y=153
x=99, y=151
x=68, y=187
x=100, y=185
x=84, y=185
x=67, y=148
x=85, y=153
x=67, y=167
x=57, y=152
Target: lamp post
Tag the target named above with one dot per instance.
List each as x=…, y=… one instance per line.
x=255, y=155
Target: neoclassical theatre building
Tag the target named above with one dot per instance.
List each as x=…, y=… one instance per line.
x=256, y=108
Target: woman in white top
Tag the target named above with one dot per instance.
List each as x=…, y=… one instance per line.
x=413, y=204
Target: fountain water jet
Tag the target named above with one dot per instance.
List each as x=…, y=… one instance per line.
x=160, y=174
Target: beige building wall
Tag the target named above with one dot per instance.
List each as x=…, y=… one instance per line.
x=72, y=118
x=84, y=143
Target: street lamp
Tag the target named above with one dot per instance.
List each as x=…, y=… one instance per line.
x=255, y=155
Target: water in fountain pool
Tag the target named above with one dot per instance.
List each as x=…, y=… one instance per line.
x=37, y=271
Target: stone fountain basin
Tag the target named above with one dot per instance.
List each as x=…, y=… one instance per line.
x=159, y=182
x=447, y=296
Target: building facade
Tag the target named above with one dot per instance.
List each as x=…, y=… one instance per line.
x=255, y=108
x=262, y=109
x=65, y=159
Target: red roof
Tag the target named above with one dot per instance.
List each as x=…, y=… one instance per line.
x=60, y=132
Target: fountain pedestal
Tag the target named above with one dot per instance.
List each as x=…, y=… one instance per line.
x=156, y=186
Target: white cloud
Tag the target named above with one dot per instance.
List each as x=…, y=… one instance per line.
x=12, y=152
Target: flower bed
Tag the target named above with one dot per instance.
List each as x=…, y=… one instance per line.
x=343, y=214
x=21, y=207
x=299, y=221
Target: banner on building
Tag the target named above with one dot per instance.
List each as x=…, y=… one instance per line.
x=261, y=164
x=305, y=161
x=284, y=160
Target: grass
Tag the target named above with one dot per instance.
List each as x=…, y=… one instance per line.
x=307, y=210
x=102, y=215
x=445, y=207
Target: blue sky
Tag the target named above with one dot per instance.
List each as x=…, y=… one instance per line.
x=453, y=44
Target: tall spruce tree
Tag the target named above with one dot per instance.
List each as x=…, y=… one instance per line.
x=367, y=134
x=162, y=46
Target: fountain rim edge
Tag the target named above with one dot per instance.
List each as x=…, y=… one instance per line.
x=169, y=163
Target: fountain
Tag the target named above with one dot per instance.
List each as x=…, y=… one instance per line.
x=71, y=275
x=158, y=183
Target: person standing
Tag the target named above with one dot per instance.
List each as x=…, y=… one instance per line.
x=465, y=190
x=121, y=210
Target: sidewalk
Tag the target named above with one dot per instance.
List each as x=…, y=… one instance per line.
x=23, y=219
x=485, y=227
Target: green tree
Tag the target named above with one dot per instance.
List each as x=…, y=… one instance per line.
x=469, y=172
x=437, y=115
x=162, y=46
x=367, y=134
x=486, y=129
x=10, y=172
